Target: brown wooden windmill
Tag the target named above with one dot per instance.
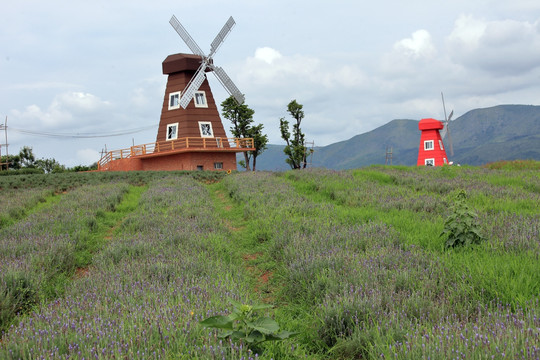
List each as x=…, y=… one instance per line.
x=190, y=134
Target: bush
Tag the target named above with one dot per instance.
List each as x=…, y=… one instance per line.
x=461, y=226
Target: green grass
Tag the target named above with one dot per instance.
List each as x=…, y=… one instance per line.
x=106, y=225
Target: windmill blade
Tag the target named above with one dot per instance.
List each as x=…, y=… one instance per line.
x=220, y=37
x=444, y=107
x=185, y=36
x=450, y=116
x=450, y=141
x=193, y=85
x=444, y=130
x=227, y=83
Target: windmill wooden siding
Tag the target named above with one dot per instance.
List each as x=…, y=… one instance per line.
x=180, y=69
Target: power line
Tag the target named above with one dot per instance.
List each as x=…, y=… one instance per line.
x=81, y=135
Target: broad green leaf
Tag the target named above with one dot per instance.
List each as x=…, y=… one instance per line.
x=219, y=322
x=225, y=333
x=265, y=325
x=255, y=336
x=237, y=335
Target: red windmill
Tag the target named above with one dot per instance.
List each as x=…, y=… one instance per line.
x=431, y=151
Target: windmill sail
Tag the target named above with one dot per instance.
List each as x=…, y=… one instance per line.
x=194, y=85
x=207, y=62
x=227, y=83
x=220, y=37
x=185, y=36
x=446, y=129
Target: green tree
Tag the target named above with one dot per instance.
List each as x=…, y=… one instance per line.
x=27, y=158
x=49, y=165
x=241, y=117
x=260, y=141
x=13, y=160
x=295, y=148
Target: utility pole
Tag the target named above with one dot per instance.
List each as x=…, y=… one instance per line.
x=4, y=127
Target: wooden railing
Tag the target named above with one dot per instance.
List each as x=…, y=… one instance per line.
x=192, y=143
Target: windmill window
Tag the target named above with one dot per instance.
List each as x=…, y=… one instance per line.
x=441, y=145
x=174, y=100
x=428, y=145
x=205, y=127
x=429, y=162
x=200, y=99
x=172, y=131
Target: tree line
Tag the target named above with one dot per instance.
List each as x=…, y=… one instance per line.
x=25, y=162
x=241, y=117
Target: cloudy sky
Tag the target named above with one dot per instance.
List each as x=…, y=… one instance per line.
x=94, y=67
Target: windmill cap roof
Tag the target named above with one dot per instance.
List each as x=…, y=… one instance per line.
x=181, y=62
x=430, y=124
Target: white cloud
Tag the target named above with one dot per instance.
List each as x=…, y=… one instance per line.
x=66, y=109
x=504, y=47
x=419, y=45
x=266, y=54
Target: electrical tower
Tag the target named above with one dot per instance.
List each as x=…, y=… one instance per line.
x=388, y=155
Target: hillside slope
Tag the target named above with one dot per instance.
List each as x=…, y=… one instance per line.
x=504, y=132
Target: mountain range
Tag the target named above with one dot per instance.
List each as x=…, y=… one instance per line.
x=480, y=136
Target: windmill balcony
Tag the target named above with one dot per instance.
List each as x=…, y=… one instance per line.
x=182, y=145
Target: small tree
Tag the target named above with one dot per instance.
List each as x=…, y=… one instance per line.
x=260, y=141
x=295, y=148
x=241, y=117
x=26, y=155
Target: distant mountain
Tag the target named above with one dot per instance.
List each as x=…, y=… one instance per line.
x=504, y=132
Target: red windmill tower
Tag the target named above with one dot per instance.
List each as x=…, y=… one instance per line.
x=431, y=151
x=190, y=134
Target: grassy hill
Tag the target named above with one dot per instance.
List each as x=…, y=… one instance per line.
x=480, y=136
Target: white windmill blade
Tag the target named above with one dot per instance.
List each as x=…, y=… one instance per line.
x=185, y=36
x=220, y=37
x=450, y=141
x=193, y=85
x=227, y=83
x=450, y=116
x=444, y=130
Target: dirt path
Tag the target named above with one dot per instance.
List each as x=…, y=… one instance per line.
x=242, y=234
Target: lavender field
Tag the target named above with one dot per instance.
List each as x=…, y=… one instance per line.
x=352, y=261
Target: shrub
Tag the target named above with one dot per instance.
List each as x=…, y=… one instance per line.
x=461, y=226
x=242, y=325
